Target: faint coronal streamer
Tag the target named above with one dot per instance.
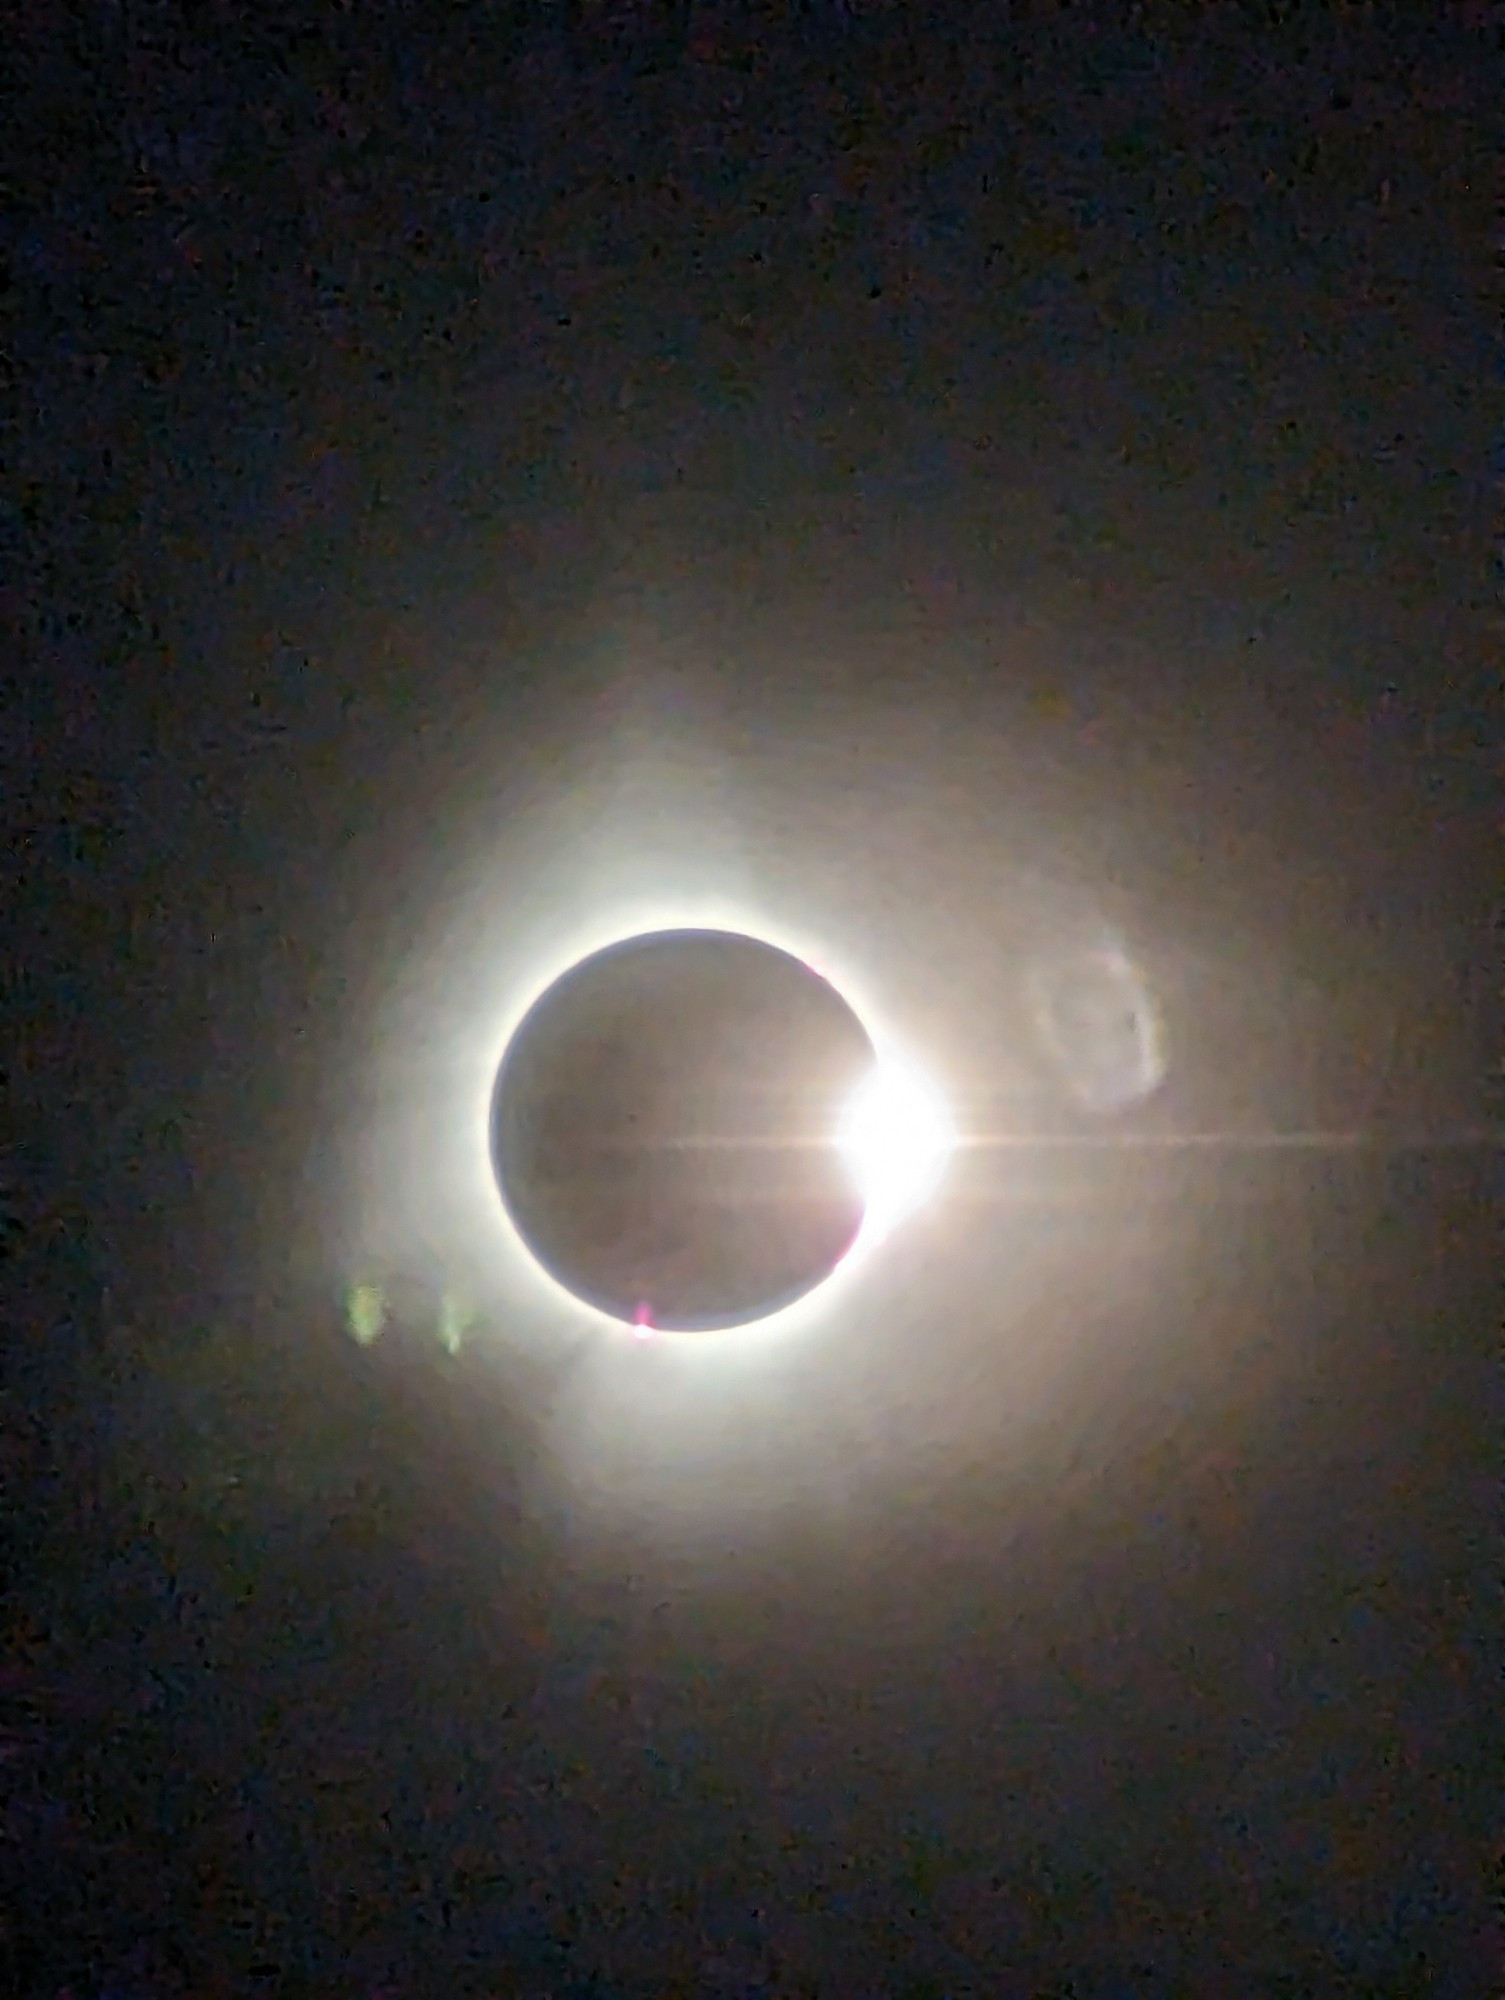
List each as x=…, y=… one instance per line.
x=1099, y=1024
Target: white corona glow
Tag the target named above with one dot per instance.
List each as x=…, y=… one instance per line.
x=896, y=1135
x=900, y=1106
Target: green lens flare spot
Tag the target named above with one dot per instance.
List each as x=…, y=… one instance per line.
x=456, y=1320
x=365, y=1313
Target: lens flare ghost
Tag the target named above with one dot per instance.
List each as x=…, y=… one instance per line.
x=896, y=1135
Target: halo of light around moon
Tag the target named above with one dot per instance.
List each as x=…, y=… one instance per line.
x=671, y=1132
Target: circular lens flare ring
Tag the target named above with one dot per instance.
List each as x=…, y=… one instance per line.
x=896, y=1135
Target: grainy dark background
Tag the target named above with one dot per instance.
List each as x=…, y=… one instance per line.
x=1025, y=443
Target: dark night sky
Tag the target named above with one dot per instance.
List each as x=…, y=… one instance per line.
x=945, y=462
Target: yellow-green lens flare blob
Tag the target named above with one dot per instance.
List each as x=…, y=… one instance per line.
x=457, y=1320
x=365, y=1313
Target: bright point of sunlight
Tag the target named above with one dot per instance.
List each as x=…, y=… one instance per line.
x=896, y=1134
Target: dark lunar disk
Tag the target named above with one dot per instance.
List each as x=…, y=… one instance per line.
x=662, y=1129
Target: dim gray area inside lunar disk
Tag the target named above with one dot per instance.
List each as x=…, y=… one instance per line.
x=663, y=1129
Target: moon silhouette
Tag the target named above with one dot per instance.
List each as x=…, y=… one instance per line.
x=664, y=1129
